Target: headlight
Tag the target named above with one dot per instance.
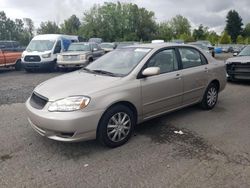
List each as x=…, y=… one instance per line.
x=228, y=62
x=82, y=57
x=46, y=55
x=59, y=57
x=69, y=104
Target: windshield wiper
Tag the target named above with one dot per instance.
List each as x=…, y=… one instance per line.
x=106, y=73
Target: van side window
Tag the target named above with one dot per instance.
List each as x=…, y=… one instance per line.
x=165, y=60
x=191, y=58
x=58, y=47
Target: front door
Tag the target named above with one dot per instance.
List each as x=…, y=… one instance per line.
x=163, y=92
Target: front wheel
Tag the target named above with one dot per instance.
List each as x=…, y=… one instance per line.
x=18, y=65
x=116, y=126
x=210, y=97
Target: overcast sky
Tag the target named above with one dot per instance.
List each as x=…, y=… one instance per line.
x=211, y=13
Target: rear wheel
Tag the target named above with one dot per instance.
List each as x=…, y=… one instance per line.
x=116, y=126
x=210, y=97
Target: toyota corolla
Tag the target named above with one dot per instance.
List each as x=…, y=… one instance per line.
x=127, y=86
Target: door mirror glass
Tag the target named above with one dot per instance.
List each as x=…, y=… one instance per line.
x=151, y=71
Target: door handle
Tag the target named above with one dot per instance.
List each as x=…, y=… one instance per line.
x=178, y=76
x=206, y=69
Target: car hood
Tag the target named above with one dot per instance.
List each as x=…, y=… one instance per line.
x=75, y=53
x=239, y=59
x=75, y=83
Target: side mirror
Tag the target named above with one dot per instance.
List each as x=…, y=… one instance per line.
x=94, y=49
x=235, y=54
x=151, y=71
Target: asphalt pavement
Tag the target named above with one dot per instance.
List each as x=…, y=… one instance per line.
x=214, y=150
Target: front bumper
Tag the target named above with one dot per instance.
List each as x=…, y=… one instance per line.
x=65, y=64
x=64, y=126
x=238, y=71
x=39, y=65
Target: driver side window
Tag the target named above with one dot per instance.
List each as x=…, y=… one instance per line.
x=165, y=60
x=58, y=47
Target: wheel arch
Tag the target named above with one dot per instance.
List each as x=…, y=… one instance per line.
x=128, y=104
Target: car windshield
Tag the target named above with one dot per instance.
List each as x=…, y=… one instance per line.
x=200, y=46
x=245, y=51
x=79, y=47
x=119, y=62
x=40, y=45
x=107, y=45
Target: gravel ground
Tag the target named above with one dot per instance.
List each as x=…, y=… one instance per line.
x=213, y=151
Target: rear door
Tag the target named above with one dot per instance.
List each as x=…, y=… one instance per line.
x=194, y=74
x=163, y=92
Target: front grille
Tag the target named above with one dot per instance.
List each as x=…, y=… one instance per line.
x=71, y=57
x=38, y=101
x=32, y=58
x=239, y=70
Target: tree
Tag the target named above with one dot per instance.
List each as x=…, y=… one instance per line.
x=201, y=33
x=225, y=38
x=246, y=31
x=48, y=28
x=213, y=37
x=180, y=25
x=240, y=39
x=165, y=31
x=234, y=24
x=71, y=26
x=119, y=21
x=29, y=27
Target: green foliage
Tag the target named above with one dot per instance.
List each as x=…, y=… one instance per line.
x=48, y=28
x=234, y=24
x=225, y=38
x=186, y=38
x=201, y=33
x=71, y=26
x=180, y=25
x=240, y=40
x=165, y=31
x=246, y=31
x=117, y=21
x=19, y=30
x=213, y=37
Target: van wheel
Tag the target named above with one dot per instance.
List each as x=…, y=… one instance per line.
x=18, y=65
x=116, y=126
x=210, y=97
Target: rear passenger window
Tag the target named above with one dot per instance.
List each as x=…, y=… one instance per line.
x=191, y=58
x=165, y=60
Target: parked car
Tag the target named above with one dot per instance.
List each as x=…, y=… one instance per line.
x=227, y=49
x=106, y=99
x=108, y=47
x=96, y=40
x=79, y=55
x=209, y=45
x=10, y=54
x=238, y=68
x=10, y=59
x=41, y=53
x=201, y=46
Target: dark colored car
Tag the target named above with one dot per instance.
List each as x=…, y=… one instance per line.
x=238, y=68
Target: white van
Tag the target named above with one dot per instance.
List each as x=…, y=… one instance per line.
x=41, y=53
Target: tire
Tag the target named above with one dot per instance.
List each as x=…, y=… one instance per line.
x=210, y=97
x=18, y=65
x=113, y=133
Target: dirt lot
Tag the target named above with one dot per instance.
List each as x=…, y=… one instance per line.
x=213, y=152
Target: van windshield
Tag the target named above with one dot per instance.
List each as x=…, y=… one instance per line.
x=40, y=45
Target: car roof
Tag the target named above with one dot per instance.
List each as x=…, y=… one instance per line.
x=159, y=45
